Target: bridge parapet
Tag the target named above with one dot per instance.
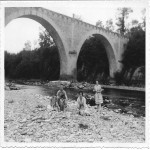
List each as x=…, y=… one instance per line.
x=80, y=22
x=90, y=25
x=65, y=18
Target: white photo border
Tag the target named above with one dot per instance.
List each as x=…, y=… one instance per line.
x=4, y=144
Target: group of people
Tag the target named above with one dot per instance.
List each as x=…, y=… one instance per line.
x=62, y=99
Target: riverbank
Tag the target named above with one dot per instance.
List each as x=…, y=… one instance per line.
x=76, y=85
x=29, y=119
x=124, y=88
x=123, y=101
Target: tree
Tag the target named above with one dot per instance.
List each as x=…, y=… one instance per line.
x=41, y=63
x=109, y=25
x=27, y=45
x=9, y=64
x=123, y=14
x=134, y=55
x=49, y=57
x=49, y=63
x=45, y=39
x=135, y=23
x=35, y=44
x=99, y=24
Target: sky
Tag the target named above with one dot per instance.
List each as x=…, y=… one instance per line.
x=18, y=31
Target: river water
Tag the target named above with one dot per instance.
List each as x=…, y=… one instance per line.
x=131, y=102
x=126, y=101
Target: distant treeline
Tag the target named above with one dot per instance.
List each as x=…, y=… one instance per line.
x=42, y=63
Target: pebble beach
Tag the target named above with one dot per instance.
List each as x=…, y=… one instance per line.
x=28, y=118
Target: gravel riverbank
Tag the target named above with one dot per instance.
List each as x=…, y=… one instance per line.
x=29, y=119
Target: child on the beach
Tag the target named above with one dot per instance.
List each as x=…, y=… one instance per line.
x=98, y=96
x=81, y=101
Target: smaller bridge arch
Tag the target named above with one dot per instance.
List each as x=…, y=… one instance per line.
x=111, y=54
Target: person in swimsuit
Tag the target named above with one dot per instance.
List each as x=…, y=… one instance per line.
x=62, y=98
x=81, y=104
x=98, y=95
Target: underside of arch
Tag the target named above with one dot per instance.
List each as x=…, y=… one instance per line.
x=109, y=51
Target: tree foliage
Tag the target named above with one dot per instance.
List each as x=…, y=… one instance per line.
x=45, y=39
x=99, y=23
x=134, y=56
x=42, y=63
x=92, y=62
x=109, y=25
x=27, y=45
x=123, y=14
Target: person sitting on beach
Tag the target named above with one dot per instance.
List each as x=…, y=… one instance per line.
x=98, y=96
x=62, y=98
x=54, y=103
x=81, y=104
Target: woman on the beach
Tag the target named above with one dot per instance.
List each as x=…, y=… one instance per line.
x=81, y=102
x=62, y=98
x=98, y=95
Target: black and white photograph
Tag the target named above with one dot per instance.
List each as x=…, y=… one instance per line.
x=74, y=72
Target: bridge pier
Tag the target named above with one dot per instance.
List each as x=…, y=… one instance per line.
x=69, y=71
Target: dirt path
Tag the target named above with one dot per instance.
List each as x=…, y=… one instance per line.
x=27, y=119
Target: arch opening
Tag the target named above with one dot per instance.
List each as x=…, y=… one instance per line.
x=49, y=26
x=96, y=60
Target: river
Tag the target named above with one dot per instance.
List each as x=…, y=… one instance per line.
x=131, y=102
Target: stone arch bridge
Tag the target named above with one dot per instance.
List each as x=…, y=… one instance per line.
x=69, y=34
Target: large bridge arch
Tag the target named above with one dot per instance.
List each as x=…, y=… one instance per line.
x=111, y=54
x=38, y=15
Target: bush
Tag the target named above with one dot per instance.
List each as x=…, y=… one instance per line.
x=66, y=77
x=118, y=78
